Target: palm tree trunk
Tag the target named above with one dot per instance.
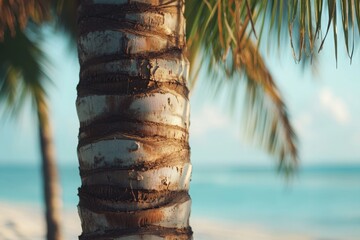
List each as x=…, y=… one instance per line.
x=133, y=110
x=50, y=175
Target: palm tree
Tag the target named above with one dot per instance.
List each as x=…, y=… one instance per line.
x=133, y=100
x=133, y=109
x=22, y=76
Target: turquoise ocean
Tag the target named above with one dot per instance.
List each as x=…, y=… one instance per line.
x=323, y=201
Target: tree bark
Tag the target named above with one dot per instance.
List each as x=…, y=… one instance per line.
x=133, y=110
x=50, y=175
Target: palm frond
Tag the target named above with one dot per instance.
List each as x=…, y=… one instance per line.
x=22, y=71
x=267, y=117
x=234, y=58
x=16, y=13
x=66, y=18
x=217, y=25
x=305, y=20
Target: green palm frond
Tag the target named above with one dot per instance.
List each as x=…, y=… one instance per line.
x=223, y=32
x=304, y=21
x=267, y=118
x=14, y=14
x=22, y=71
x=66, y=17
x=228, y=33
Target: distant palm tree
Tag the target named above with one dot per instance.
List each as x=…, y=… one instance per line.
x=23, y=77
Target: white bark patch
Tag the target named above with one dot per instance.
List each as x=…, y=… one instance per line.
x=175, y=215
x=109, y=42
x=124, y=153
x=121, y=2
x=160, y=108
x=100, y=43
x=164, y=69
x=158, y=69
x=173, y=178
x=176, y=22
x=116, y=152
x=164, y=22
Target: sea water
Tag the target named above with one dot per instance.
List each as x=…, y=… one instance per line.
x=322, y=201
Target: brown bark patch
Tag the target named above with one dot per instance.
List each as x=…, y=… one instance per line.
x=112, y=198
x=125, y=85
x=134, y=220
x=109, y=127
x=164, y=233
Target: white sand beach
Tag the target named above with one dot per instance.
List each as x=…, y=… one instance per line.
x=25, y=222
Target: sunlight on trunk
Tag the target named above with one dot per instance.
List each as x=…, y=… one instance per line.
x=133, y=109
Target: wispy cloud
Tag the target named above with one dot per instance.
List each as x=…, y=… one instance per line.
x=209, y=118
x=302, y=123
x=334, y=105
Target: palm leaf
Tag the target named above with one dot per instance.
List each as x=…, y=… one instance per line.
x=16, y=13
x=305, y=19
x=232, y=57
x=238, y=58
x=65, y=18
x=22, y=71
x=267, y=118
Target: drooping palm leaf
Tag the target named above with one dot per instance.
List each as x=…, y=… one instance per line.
x=65, y=18
x=15, y=14
x=22, y=73
x=224, y=30
x=267, y=116
x=22, y=60
x=221, y=31
x=306, y=19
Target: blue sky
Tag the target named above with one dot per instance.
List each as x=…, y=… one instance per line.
x=324, y=108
